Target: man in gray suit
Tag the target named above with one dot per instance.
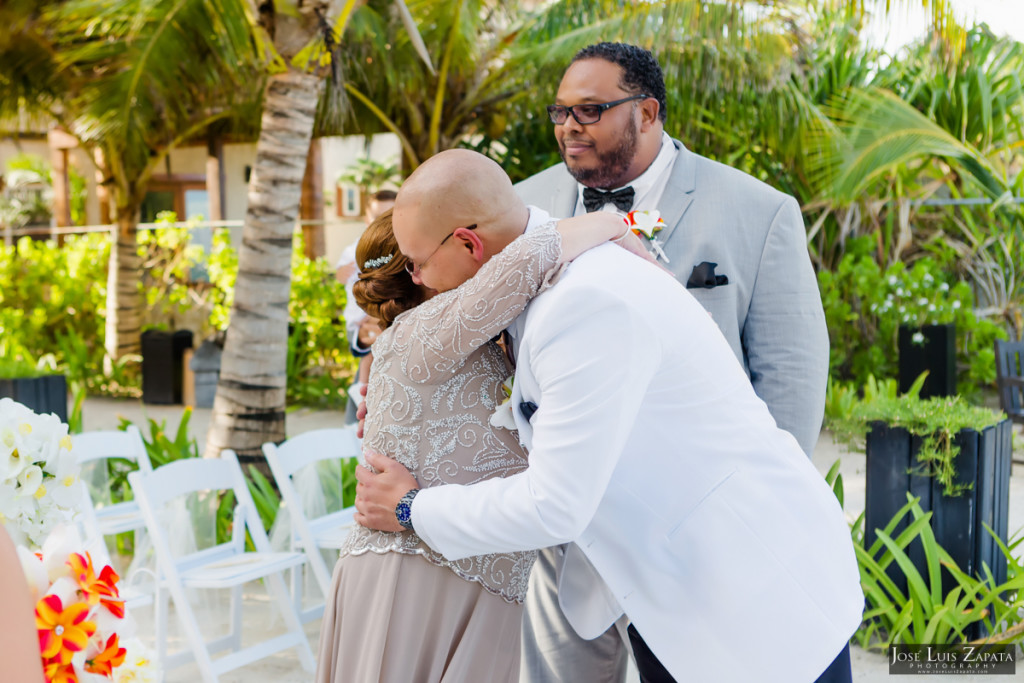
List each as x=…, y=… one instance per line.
x=737, y=244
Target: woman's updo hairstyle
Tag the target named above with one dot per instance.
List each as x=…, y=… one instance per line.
x=384, y=288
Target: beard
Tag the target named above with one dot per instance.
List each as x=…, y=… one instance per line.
x=612, y=165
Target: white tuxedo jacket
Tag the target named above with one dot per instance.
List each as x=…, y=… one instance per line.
x=770, y=311
x=690, y=510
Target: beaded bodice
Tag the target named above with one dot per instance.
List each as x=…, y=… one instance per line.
x=436, y=379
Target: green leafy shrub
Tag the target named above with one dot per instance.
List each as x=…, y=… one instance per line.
x=320, y=364
x=865, y=306
x=15, y=362
x=174, y=300
x=924, y=614
x=53, y=301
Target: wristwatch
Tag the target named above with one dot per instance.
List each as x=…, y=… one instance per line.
x=403, y=511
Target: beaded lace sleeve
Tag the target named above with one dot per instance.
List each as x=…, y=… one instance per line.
x=435, y=337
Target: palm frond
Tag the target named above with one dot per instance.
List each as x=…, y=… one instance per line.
x=877, y=132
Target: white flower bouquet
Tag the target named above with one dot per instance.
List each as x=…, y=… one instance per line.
x=39, y=479
x=84, y=632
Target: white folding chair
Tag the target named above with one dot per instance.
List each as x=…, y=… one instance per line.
x=112, y=519
x=327, y=531
x=100, y=518
x=225, y=565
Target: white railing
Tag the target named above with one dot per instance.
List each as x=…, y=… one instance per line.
x=15, y=233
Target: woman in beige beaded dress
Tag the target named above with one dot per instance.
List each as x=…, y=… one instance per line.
x=399, y=612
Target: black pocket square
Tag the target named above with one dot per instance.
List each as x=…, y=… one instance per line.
x=703, y=277
x=528, y=408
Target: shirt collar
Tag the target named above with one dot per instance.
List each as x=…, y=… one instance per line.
x=538, y=217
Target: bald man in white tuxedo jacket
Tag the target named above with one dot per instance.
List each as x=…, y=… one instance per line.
x=690, y=510
x=687, y=508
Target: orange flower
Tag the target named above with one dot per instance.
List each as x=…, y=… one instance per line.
x=55, y=672
x=97, y=590
x=62, y=632
x=105, y=662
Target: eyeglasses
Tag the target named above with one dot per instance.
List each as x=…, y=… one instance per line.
x=412, y=268
x=585, y=114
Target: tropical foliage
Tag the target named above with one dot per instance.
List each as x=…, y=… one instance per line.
x=865, y=305
x=924, y=613
x=52, y=312
x=129, y=80
x=896, y=159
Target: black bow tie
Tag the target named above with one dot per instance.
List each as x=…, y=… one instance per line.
x=593, y=199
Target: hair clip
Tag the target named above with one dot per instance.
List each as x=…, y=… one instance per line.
x=378, y=262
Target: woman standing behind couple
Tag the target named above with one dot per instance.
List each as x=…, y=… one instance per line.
x=398, y=610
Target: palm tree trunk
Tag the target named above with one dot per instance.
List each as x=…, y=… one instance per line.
x=249, y=407
x=124, y=300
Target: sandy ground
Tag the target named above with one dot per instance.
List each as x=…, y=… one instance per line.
x=260, y=620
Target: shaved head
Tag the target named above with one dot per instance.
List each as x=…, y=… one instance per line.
x=456, y=189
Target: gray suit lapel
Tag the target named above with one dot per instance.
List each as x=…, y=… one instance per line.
x=678, y=192
x=563, y=199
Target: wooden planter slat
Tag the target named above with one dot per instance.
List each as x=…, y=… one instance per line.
x=46, y=394
x=936, y=354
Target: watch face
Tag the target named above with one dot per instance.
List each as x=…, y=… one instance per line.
x=402, y=512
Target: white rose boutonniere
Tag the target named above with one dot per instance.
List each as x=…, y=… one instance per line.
x=502, y=416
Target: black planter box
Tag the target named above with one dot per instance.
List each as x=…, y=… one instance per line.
x=163, y=365
x=205, y=367
x=936, y=354
x=46, y=394
x=957, y=521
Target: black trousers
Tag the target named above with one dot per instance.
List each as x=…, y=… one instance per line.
x=652, y=671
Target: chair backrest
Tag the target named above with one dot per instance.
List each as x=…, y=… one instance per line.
x=128, y=444
x=313, y=446
x=1010, y=376
x=154, y=489
x=326, y=528
x=103, y=516
x=287, y=458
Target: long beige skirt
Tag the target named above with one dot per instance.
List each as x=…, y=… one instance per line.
x=397, y=618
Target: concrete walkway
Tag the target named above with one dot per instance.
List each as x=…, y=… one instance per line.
x=102, y=413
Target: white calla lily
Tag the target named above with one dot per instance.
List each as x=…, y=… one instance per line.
x=503, y=417
x=29, y=480
x=646, y=222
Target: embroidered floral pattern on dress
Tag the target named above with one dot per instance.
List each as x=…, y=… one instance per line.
x=436, y=381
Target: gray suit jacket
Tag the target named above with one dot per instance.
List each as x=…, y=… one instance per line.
x=770, y=311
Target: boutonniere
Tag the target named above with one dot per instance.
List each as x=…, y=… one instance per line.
x=502, y=416
x=647, y=223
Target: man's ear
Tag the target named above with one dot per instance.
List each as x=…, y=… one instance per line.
x=648, y=113
x=468, y=239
